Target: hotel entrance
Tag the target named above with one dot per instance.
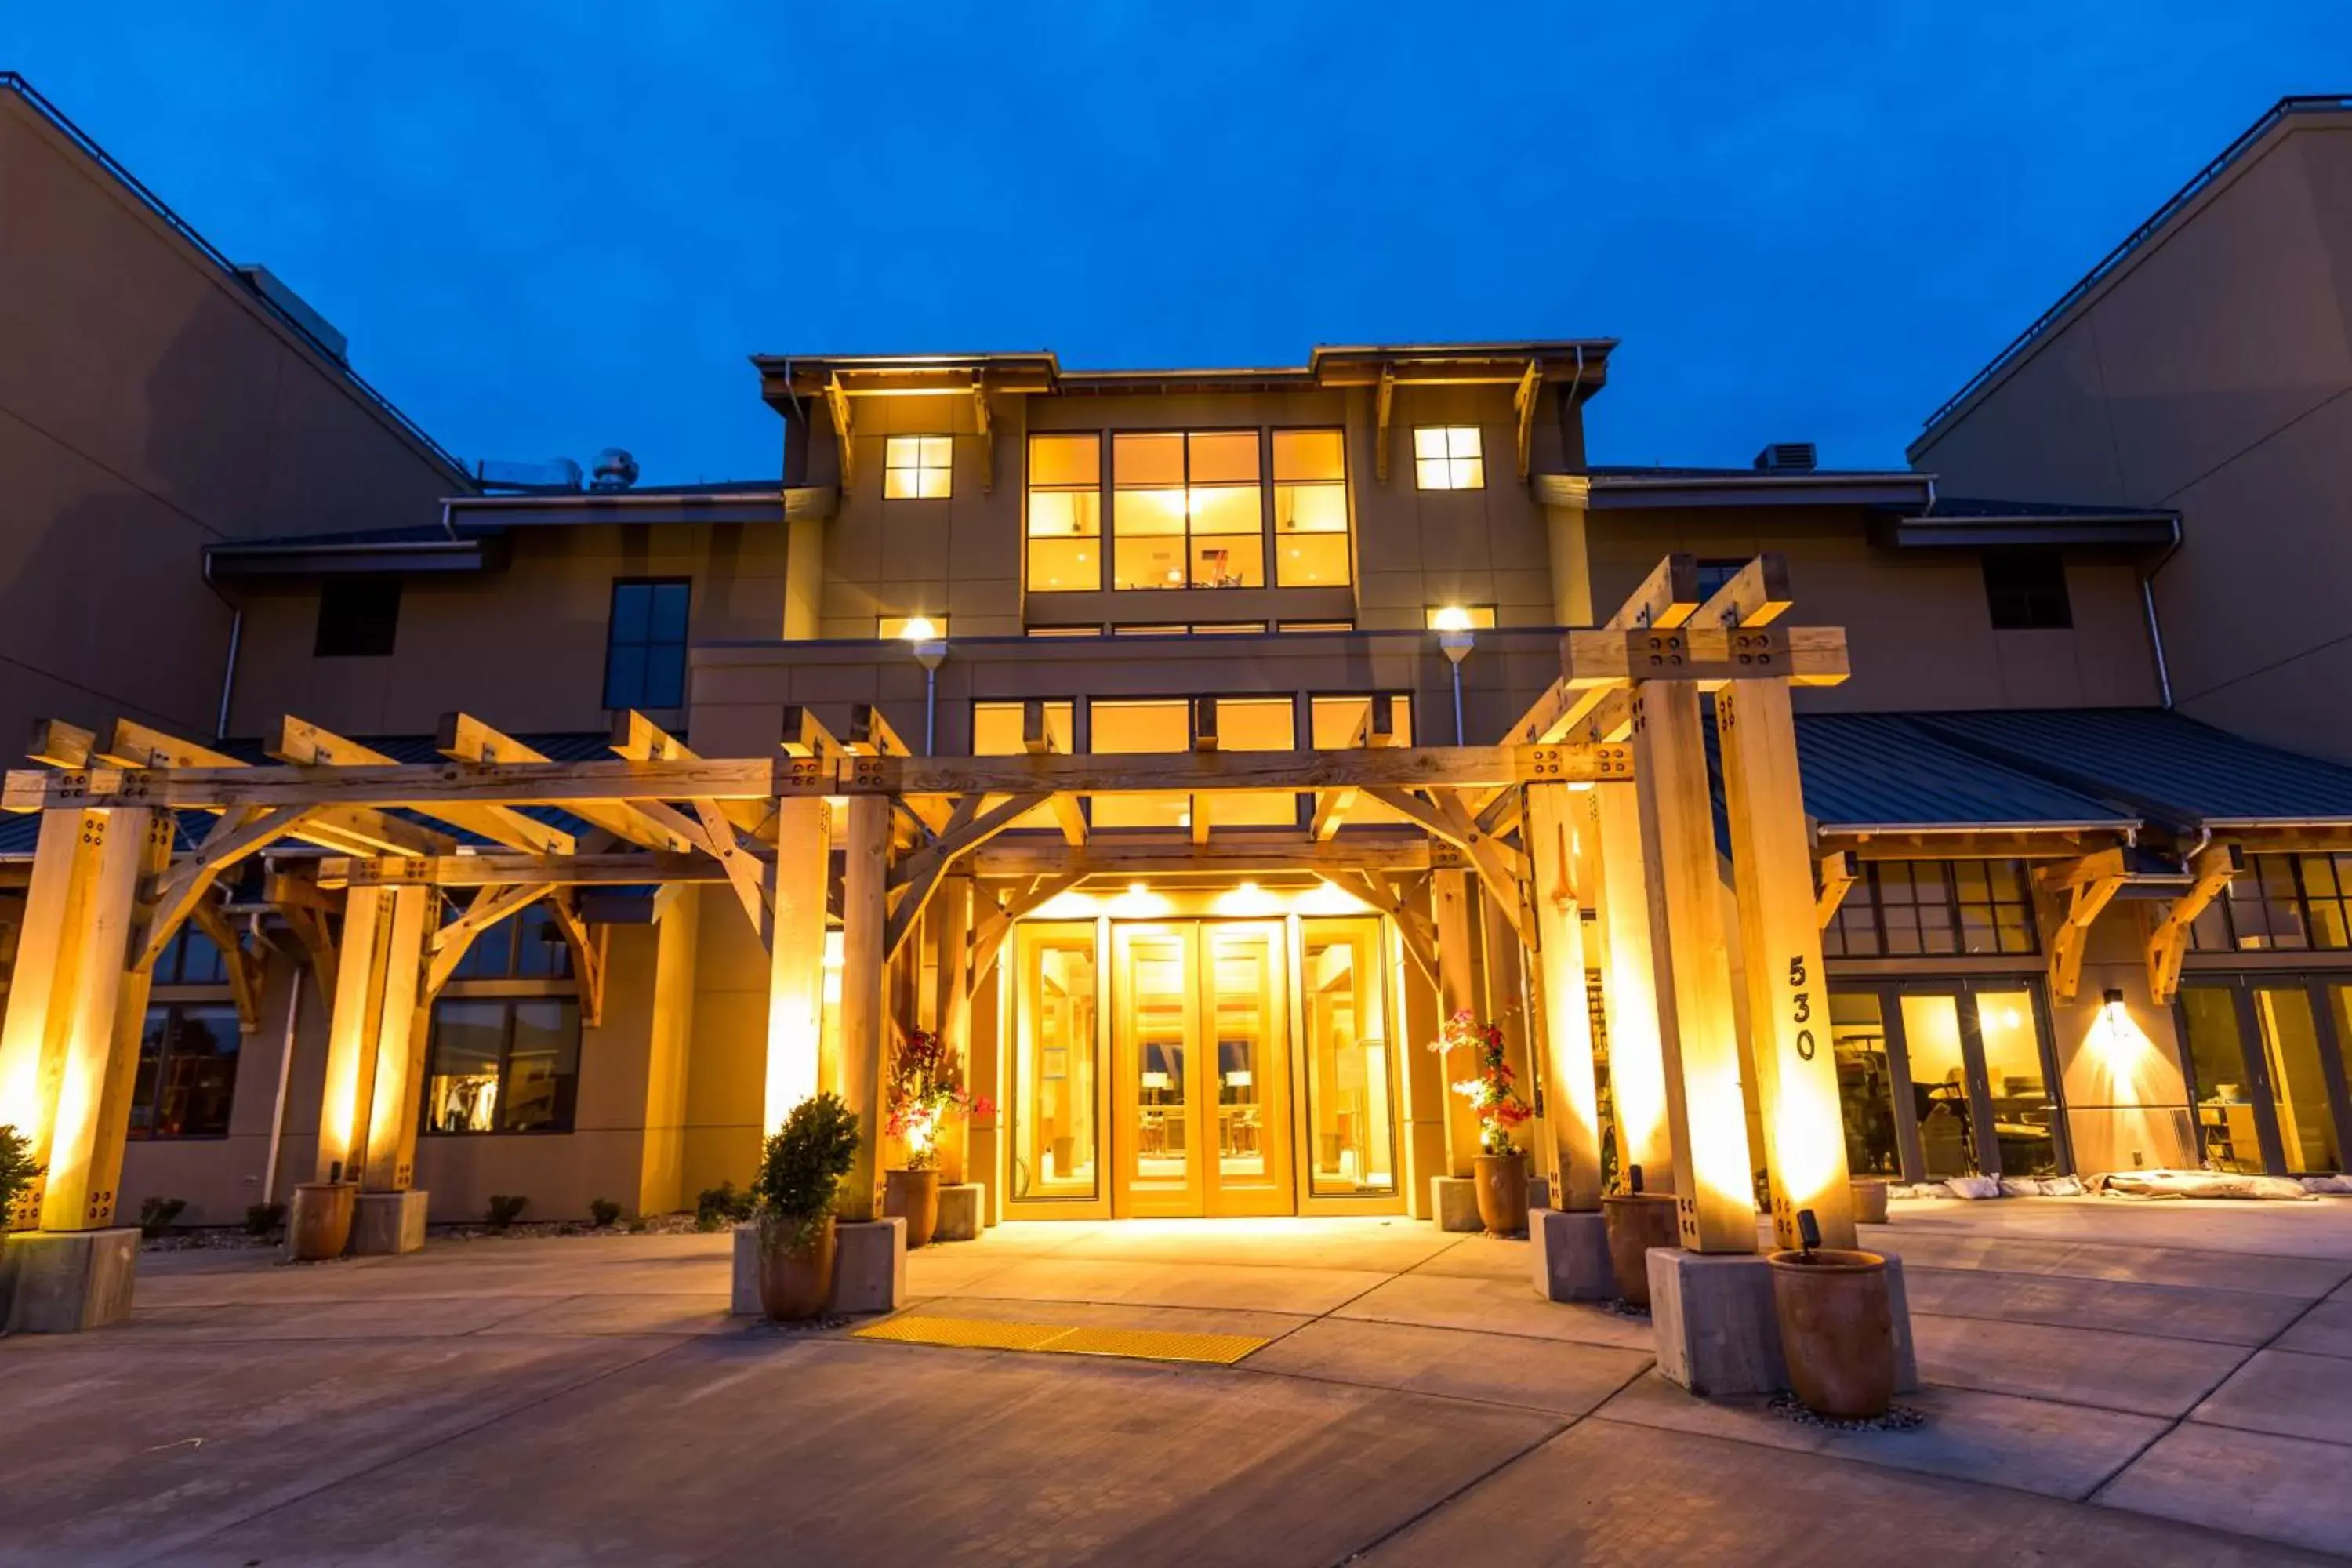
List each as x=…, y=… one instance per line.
x=1198, y=1068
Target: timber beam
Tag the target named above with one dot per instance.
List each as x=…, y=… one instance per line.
x=462, y=737
x=447, y=945
x=1523, y=403
x=615, y=870
x=587, y=953
x=2213, y=866
x=1835, y=874
x=2086, y=887
x=836, y=403
x=637, y=738
x=1241, y=849
x=304, y=745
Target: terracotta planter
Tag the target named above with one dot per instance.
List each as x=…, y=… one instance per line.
x=1637, y=1222
x=319, y=1222
x=915, y=1196
x=1869, y=1202
x=1837, y=1331
x=795, y=1285
x=1502, y=1191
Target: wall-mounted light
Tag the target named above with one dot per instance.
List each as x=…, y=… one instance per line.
x=930, y=650
x=1454, y=640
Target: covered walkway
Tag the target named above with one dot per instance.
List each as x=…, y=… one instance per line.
x=535, y=1400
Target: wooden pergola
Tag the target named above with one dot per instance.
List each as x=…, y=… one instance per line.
x=1598, y=796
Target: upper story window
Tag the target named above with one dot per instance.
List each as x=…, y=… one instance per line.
x=917, y=467
x=1065, y=513
x=359, y=617
x=1458, y=618
x=1915, y=908
x=503, y=1065
x=910, y=628
x=2026, y=590
x=645, y=648
x=1448, y=458
x=1000, y=729
x=1187, y=510
x=1310, y=509
x=2281, y=903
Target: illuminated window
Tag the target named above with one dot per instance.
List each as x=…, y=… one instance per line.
x=1459, y=617
x=1339, y=723
x=1187, y=510
x=1230, y=629
x=188, y=1071
x=1000, y=730
x=1065, y=513
x=1064, y=631
x=1447, y=457
x=917, y=467
x=1317, y=626
x=1175, y=631
x=503, y=1065
x=1310, y=509
x=1252, y=724
x=1918, y=908
x=911, y=628
x=2280, y=903
x=1124, y=729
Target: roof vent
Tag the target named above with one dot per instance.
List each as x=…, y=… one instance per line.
x=1787, y=457
x=614, y=470
x=295, y=309
x=555, y=476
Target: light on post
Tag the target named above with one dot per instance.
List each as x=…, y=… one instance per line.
x=1455, y=641
x=930, y=650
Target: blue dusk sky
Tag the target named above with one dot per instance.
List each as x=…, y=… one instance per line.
x=551, y=227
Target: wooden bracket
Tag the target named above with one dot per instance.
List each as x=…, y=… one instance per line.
x=305, y=744
x=836, y=403
x=236, y=834
x=1523, y=402
x=987, y=435
x=1837, y=874
x=1384, y=399
x=990, y=932
x=244, y=965
x=2087, y=884
x=588, y=954
x=448, y=944
x=2167, y=941
x=1416, y=931
x=917, y=877
x=462, y=737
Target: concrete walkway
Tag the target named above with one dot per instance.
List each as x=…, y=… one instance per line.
x=2152, y=1384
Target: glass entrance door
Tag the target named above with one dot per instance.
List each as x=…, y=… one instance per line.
x=1946, y=1080
x=1201, y=1070
x=2268, y=1071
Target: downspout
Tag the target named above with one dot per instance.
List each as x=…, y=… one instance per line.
x=2155, y=628
x=235, y=635
x=285, y=1072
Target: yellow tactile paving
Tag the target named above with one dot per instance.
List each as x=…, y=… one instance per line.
x=1063, y=1339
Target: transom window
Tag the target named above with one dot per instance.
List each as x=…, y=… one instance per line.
x=1448, y=458
x=917, y=467
x=645, y=651
x=1187, y=510
x=1915, y=908
x=1310, y=509
x=503, y=1065
x=2281, y=903
x=1065, y=513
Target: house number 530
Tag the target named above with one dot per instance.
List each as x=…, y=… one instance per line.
x=1800, y=1009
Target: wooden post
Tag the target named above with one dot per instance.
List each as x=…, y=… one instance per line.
x=41, y=991
x=345, y=1099
x=1629, y=992
x=951, y=918
x=388, y=1160
x=1571, y=1096
x=1706, y=1110
x=1788, y=996
x=865, y=914
x=99, y=1069
x=1426, y=1098
x=1457, y=992
x=796, y=955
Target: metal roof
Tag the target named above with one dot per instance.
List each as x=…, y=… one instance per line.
x=1891, y=770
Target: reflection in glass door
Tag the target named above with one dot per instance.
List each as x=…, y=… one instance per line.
x=1155, y=991
x=1350, y=1115
x=1051, y=1112
x=2269, y=1073
x=1942, y=1082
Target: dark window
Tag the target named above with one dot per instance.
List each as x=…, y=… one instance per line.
x=502, y=1065
x=528, y=945
x=358, y=618
x=2026, y=590
x=645, y=653
x=191, y=960
x=1714, y=574
x=1905, y=909
x=2281, y=903
x=188, y=1071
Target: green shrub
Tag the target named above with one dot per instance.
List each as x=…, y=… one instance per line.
x=603, y=1212
x=17, y=1172
x=262, y=1219
x=801, y=1167
x=717, y=1207
x=506, y=1208
x=156, y=1214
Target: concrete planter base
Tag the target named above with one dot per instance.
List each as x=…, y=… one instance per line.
x=1454, y=1204
x=386, y=1225
x=63, y=1281
x=870, y=1271
x=1718, y=1331
x=960, y=1206
x=1539, y=1197
x=1570, y=1254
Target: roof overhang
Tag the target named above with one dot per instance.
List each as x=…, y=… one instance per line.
x=326, y=558
x=2139, y=531
x=579, y=508
x=1637, y=492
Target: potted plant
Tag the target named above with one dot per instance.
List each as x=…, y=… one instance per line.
x=1637, y=1221
x=800, y=1168
x=926, y=1092
x=1501, y=1164
x=1837, y=1326
x=18, y=1174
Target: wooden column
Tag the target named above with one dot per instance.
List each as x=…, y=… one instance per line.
x=1788, y=996
x=1706, y=1110
x=950, y=930
x=1572, y=1098
x=42, y=987
x=1629, y=992
x=108, y=1012
x=796, y=955
x=345, y=1099
x=865, y=914
x=1426, y=1098
x=1457, y=992
x=1502, y=980
x=387, y=1162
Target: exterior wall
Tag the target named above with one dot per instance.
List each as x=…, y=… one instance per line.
x=152, y=406
x=726, y=1075
x=1916, y=621
x=963, y=556
x=2208, y=373
x=523, y=648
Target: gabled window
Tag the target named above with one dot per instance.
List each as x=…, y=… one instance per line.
x=645, y=650
x=2026, y=590
x=1448, y=458
x=359, y=617
x=917, y=467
